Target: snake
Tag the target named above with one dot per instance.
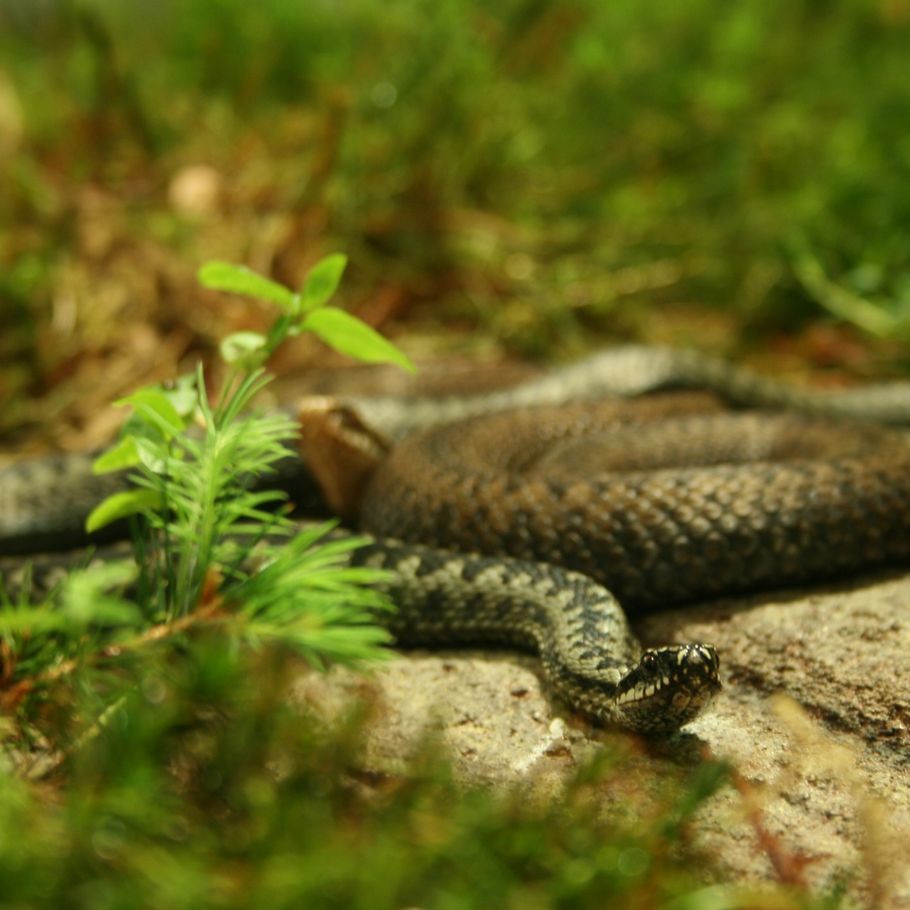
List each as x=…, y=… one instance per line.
x=542, y=517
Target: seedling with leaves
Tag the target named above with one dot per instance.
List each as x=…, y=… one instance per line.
x=212, y=545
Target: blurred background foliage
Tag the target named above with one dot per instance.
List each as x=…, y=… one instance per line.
x=202, y=790
x=533, y=176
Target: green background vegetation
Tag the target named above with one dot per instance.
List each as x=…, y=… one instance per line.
x=525, y=177
x=555, y=174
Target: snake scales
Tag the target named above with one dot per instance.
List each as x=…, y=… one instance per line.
x=658, y=501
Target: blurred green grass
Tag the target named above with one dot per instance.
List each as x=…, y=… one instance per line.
x=547, y=172
x=205, y=787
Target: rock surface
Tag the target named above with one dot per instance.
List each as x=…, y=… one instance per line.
x=824, y=773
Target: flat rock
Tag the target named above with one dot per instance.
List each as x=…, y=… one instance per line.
x=823, y=772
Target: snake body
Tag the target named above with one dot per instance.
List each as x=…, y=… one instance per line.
x=566, y=498
x=661, y=510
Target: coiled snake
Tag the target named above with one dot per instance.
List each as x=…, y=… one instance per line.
x=572, y=499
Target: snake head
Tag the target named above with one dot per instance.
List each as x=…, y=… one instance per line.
x=668, y=687
x=340, y=450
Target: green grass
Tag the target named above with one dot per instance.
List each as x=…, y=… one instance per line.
x=205, y=788
x=544, y=170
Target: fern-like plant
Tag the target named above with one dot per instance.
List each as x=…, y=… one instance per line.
x=213, y=546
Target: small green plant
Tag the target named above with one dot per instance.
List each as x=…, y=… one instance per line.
x=212, y=548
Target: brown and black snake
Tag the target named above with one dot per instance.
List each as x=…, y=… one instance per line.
x=523, y=512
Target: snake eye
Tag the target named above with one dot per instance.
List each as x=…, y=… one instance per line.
x=648, y=660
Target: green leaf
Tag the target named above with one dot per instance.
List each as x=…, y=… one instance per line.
x=17, y=620
x=86, y=598
x=120, y=505
x=246, y=349
x=183, y=394
x=151, y=455
x=122, y=455
x=322, y=280
x=155, y=408
x=348, y=335
x=237, y=279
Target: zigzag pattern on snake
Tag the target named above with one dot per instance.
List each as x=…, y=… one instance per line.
x=660, y=509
